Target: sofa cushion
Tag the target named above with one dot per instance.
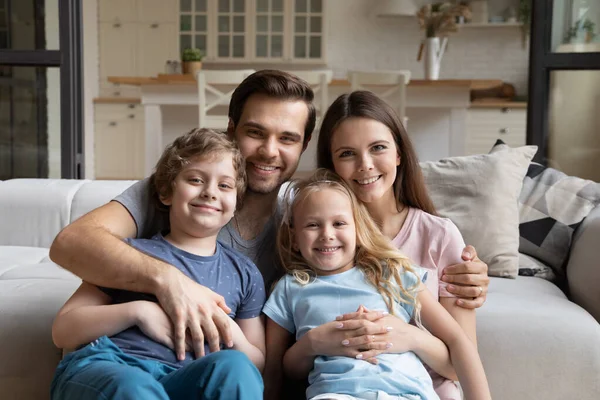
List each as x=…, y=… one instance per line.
x=13, y=256
x=479, y=194
x=27, y=309
x=535, y=343
x=33, y=211
x=551, y=207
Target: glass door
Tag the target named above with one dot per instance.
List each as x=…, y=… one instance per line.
x=40, y=89
x=564, y=87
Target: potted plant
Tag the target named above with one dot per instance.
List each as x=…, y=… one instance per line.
x=191, y=60
x=582, y=25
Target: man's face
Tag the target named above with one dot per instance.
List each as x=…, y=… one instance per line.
x=270, y=135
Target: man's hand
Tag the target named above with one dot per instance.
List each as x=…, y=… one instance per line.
x=468, y=280
x=196, y=309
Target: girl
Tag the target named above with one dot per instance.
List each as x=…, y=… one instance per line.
x=337, y=259
x=363, y=141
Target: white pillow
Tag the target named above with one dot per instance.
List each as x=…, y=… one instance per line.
x=479, y=194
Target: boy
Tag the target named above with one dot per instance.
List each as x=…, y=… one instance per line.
x=200, y=178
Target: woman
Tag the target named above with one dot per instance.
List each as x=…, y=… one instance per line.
x=363, y=141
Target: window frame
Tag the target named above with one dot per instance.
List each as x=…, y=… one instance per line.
x=250, y=34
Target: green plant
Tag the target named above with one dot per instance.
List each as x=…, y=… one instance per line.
x=586, y=26
x=524, y=17
x=192, y=55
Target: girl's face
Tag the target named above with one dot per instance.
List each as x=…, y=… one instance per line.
x=365, y=156
x=324, y=231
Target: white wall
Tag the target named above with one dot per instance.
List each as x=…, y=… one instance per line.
x=357, y=39
x=90, y=80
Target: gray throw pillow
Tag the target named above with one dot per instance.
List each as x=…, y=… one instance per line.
x=551, y=207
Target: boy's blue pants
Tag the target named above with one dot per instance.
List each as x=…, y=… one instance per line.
x=103, y=371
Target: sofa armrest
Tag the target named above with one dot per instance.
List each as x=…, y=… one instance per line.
x=583, y=268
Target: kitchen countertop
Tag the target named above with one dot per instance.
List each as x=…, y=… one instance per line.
x=497, y=103
x=163, y=79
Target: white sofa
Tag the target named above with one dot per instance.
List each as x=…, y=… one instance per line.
x=534, y=342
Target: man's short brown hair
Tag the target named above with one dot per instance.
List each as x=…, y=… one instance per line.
x=279, y=85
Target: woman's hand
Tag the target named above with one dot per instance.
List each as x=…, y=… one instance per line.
x=335, y=338
x=371, y=333
x=468, y=280
x=154, y=323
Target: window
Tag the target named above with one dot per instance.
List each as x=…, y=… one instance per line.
x=254, y=30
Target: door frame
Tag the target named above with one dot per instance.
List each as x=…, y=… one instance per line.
x=542, y=61
x=69, y=59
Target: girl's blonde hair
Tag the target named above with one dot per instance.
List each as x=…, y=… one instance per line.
x=375, y=254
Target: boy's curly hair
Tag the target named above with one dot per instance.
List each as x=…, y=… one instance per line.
x=198, y=143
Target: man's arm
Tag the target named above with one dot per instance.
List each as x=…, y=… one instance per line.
x=92, y=248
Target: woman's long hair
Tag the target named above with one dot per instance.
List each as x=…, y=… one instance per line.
x=381, y=262
x=409, y=186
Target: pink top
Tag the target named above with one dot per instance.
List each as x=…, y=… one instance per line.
x=433, y=243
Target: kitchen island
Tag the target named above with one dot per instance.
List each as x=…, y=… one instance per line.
x=437, y=112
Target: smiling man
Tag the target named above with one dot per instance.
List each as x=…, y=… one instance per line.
x=272, y=117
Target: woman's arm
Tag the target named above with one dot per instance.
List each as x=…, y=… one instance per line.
x=249, y=338
x=463, y=353
x=278, y=341
x=87, y=315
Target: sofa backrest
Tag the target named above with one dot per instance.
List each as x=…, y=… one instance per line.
x=33, y=211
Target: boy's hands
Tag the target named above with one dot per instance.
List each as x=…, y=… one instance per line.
x=154, y=323
x=197, y=309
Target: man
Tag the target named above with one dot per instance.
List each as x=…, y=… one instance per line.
x=271, y=116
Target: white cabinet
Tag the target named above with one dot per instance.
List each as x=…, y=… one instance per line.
x=157, y=11
x=136, y=38
x=486, y=125
x=118, y=47
x=245, y=31
x=156, y=43
x=117, y=10
x=119, y=141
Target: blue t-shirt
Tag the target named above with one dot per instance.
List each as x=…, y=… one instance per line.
x=227, y=272
x=299, y=308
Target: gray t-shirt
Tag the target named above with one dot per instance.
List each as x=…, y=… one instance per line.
x=151, y=220
x=227, y=272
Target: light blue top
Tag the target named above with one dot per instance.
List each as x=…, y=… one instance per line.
x=299, y=308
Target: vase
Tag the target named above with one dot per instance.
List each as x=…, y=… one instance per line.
x=434, y=48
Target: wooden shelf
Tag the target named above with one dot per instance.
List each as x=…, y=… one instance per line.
x=491, y=25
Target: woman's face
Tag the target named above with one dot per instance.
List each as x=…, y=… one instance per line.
x=365, y=156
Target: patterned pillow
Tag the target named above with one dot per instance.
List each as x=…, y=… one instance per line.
x=551, y=207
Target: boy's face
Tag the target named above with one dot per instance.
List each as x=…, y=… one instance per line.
x=270, y=135
x=204, y=196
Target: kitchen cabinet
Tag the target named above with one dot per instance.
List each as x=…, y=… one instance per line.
x=157, y=11
x=117, y=10
x=119, y=141
x=245, y=31
x=157, y=43
x=486, y=125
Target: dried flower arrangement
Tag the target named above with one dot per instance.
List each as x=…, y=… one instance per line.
x=439, y=19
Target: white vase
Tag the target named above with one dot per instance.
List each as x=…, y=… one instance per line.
x=434, y=51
